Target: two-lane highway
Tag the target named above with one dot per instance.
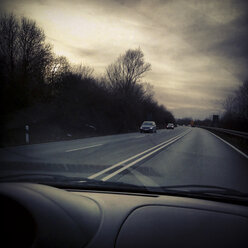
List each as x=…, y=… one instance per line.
x=199, y=158
x=170, y=157
x=104, y=150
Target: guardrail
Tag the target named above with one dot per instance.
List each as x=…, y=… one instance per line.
x=228, y=131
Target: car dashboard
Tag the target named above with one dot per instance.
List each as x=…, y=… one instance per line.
x=36, y=215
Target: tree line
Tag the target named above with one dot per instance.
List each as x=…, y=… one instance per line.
x=235, y=115
x=236, y=109
x=31, y=74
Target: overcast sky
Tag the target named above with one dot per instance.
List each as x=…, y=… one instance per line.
x=198, y=49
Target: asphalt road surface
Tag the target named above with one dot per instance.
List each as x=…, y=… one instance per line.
x=181, y=156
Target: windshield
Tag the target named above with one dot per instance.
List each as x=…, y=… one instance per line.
x=81, y=79
x=147, y=124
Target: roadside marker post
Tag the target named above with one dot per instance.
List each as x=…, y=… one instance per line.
x=27, y=134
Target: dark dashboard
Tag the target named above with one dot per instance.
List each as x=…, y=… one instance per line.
x=35, y=215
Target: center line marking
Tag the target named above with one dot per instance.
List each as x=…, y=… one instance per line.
x=142, y=158
x=82, y=148
x=133, y=157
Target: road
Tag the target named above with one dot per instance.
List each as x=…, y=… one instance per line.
x=181, y=156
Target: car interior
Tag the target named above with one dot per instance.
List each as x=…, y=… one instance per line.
x=36, y=215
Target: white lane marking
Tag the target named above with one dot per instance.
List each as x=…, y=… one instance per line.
x=236, y=149
x=142, y=158
x=133, y=157
x=82, y=148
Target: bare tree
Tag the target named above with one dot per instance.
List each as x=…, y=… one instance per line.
x=228, y=103
x=84, y=71
x=34, y=53
x=127, y=70
x=236, y=109
x=238, y=102
x=58, y=67
x=8, y=42
x=242, y=100
x=148, y=90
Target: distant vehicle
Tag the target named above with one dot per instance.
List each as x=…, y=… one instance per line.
x=170, y=126
x=148, y=127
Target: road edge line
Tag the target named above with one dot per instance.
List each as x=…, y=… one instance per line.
x=235, y=148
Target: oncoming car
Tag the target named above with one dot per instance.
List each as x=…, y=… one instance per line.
x=170, y=126
x=148, y=127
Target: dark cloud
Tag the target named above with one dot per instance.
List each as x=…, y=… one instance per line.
x=225, y=39
x=84, y=52
x=5, y=4
x=198, y=49
x=186, y=103
x=128, y=2
x=235, y=45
